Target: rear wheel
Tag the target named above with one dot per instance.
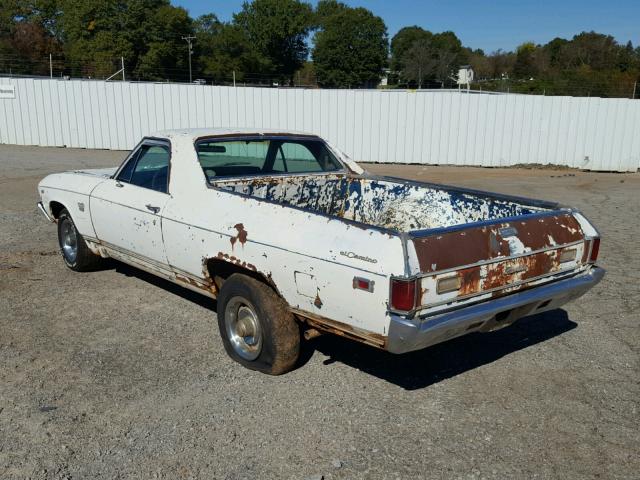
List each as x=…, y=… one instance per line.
x=74, y=249
x=257, y=328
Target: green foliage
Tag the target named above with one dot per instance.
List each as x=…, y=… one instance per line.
x=147, y=33
x=28, y=34
x=350, y=48
x=223, y=48
x=266, y=42
x=402, y=42
x=590, y=64
x=418, y=55
x=278, y=30
x=525, y=65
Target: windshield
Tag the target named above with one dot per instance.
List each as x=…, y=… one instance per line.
x=264, y=156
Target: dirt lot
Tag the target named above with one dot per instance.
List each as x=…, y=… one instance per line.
x=116, y=374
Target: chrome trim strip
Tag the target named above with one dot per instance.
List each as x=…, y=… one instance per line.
x=406, y=335
x=559, y=273
x=44, y=212
x=136, y=257
x=499, y=259
x=420, y=276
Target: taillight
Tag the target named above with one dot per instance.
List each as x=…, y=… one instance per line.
x=403, y=295
x=595, y=249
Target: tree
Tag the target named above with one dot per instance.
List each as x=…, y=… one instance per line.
x=224, y=48
x=444, y=50
x=596, y=50
x=420, y=61
x=328, y=8
x=147, y=33
x=166, y=54
x=525, y=66
x=501, y=63
x=28, y=34
x=403, y=41
x=278, y=30
x=480, y=63
x=450, y=55
x=350, y=48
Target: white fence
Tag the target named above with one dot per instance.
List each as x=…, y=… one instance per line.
x=377, y=126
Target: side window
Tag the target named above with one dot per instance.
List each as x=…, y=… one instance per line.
x=234, y=158
x=150, y=170
x=125, y=173
x=297, y=158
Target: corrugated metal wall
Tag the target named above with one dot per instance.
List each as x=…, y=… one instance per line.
x=378, y=126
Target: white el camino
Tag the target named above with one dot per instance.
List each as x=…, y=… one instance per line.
x=294, y=240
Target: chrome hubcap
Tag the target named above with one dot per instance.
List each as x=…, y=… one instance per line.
x=69, y=240
x=243, y=328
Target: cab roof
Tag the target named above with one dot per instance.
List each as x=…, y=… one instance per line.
x=195, y=133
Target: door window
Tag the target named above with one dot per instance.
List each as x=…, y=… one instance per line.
x=149, y=169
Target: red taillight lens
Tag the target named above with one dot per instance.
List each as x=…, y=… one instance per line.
x=403, y=295
x=595, y=249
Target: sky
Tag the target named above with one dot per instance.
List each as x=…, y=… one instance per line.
x=490, y=25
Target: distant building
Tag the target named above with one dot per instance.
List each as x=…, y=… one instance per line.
x=384, y=81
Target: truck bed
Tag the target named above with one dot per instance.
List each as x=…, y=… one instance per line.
x=387, y=203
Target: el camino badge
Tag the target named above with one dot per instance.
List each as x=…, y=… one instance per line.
x=358, y=257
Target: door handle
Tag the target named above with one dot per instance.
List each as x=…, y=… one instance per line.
x=152, y=208
x=118, y=184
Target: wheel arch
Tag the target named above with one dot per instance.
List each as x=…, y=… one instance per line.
x=218, y=269
x=56, y=208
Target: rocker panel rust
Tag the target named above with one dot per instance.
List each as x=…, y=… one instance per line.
x=342, y=329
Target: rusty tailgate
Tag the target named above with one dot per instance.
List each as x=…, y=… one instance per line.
x=501, y=255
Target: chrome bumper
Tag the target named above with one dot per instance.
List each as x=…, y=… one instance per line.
x=406, y=335
x=44, y=212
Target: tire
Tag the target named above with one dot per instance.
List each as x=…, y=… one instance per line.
x=257, y=328
x=74, y=249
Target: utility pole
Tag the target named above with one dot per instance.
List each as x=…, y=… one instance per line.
x=234, y=78
x=50, y=67
x=122, y=64
x=635, y=84
x=189, y=39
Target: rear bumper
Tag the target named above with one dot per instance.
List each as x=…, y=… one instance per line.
x=44, y=212
x=406, y=335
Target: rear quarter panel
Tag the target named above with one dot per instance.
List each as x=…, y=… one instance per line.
x=311, y=259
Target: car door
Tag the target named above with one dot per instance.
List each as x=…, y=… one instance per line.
x=127, y=210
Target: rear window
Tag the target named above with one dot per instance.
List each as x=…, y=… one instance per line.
x=264, y=156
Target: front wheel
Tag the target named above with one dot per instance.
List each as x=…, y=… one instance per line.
x=257, y=328
x=75, y=252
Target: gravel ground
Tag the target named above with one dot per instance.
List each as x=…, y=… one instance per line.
x=117, y=374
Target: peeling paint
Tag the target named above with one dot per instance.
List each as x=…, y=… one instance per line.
x=381, y=203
